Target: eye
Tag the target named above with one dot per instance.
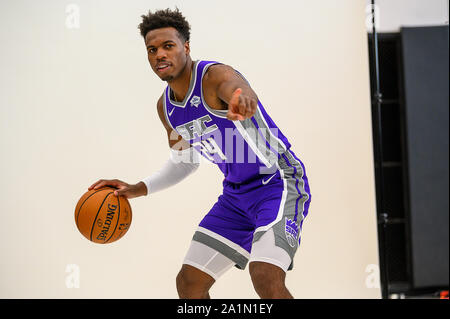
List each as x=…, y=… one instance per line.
x=152, y=50
x=168, y=46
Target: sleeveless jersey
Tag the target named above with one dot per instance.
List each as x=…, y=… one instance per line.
x=243, y=150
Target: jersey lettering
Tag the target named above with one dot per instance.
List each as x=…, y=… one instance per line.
x=197, y=126
x=209, y=147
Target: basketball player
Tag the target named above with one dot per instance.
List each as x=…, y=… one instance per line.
x=258, y=217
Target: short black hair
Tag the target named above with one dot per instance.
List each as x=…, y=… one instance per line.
x=163, y=19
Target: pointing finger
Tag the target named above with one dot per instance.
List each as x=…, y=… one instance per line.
x=235, y=97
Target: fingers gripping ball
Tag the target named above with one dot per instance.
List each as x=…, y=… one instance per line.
x=101, y=216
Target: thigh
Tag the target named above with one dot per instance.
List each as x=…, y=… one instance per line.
x=265, y=250
x=227, y=229
x=207, y=260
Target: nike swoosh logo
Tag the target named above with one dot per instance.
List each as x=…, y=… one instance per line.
x=264, y=182
x=170, y=113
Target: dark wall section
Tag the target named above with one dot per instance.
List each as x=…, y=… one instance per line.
x=414, y=83
x=426, y=82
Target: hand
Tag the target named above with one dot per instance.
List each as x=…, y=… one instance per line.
x=241, y=107
x=122, y=188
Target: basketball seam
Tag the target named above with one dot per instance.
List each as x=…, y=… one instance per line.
x=79, y=210
x=93, y=224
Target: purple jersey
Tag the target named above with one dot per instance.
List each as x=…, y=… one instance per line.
x=243, y=150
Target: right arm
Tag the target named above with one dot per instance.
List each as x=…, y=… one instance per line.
x=183, y=161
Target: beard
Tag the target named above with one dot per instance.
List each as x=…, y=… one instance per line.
x=167, y=78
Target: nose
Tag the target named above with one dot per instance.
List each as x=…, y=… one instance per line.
x=161, y=54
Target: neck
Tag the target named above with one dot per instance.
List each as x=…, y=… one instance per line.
x=180, y=85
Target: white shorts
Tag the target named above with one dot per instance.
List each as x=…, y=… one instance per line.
x=215, y=264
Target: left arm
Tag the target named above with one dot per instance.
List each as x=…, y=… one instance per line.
x=232, y=89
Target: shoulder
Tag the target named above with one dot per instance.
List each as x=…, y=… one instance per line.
x=218, y=73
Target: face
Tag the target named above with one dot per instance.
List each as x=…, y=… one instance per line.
x=167, y=52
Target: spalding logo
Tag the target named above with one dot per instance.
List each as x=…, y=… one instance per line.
x=107, y=224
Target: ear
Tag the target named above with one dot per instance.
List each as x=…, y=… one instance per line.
x=187, y=48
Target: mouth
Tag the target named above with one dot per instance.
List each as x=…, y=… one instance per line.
x=162, y=66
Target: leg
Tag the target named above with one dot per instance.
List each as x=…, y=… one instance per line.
x=283, y=205
x=193, y=283
x=268, y=281
x=268, y=266
x=222, y=240
x=202, y=266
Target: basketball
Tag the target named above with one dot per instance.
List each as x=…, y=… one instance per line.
x=103, y=217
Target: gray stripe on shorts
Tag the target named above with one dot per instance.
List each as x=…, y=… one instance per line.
x=279, y=229
x=240, y=260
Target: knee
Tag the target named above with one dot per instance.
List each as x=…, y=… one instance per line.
x=192, y=283
x=268, y=280
x=184, y=281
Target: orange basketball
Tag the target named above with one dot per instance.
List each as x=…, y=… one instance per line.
x=101, y=216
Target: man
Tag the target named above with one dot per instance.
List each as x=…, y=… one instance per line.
x=208, y=108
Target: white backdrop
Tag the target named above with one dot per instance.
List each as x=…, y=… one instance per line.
x=78, y=103
x=394, y=14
